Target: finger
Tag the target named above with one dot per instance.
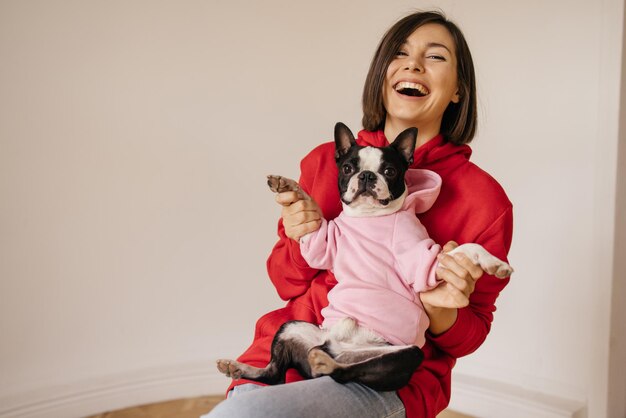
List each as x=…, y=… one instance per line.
x=450, y=245
x=454, y=280
x=462, y=265
x=301, y=230
x=452, y=263
x=287, y=198
x=301, y=205
x=301, y=218
x=456, y=298
x=293, y=208
x=474, y=270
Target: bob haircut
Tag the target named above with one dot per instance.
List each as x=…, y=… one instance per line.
x=458, y=124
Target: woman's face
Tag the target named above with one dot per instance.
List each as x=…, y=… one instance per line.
x=421, y=81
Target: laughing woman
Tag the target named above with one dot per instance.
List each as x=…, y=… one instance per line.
x=422, y=75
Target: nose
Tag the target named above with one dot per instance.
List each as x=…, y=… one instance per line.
x=414, y=64
x=367, y=177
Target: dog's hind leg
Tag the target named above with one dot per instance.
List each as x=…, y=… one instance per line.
x=383, y=368
x=321, y=363
x=238, y=370
x=273, y=373
x=290, y=347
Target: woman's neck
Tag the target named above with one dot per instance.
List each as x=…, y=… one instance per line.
x=424, y=133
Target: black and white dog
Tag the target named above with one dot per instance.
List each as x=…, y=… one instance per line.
x=371, y=183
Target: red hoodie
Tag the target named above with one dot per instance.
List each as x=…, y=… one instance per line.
x=472, y=207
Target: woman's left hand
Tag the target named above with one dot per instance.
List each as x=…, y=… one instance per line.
x=459, y=275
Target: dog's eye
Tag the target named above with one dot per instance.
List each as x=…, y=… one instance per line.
x=347, y=169
x=390, y=172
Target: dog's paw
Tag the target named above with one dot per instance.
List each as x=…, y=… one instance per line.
x=504, y=271
x=500, y=269
x=280, y=184
x=229, y=368
x=274, y=183
x=321, y=363
x=488, y=262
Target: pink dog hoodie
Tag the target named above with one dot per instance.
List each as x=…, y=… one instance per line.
x=380, y=264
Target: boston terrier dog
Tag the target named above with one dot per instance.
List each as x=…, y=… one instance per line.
x=382, y=258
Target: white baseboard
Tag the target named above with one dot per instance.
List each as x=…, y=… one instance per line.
x=484, y=398
x=475, y=396
x=116, y=392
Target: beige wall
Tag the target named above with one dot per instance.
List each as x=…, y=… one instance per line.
x=134, y=219
x=617, y=359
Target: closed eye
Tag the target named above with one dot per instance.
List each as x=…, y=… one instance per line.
x=436, y=57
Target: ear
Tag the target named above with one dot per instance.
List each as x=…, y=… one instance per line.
x=405, y=144
x=456, y=98
x=344, y=139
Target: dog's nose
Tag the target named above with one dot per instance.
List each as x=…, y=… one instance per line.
x=367, y=177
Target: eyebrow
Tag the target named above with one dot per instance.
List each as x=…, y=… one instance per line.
x=433, y=45
x=438, y=45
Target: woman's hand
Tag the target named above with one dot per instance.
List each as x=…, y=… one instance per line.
x=459, y=275
x=300, y=216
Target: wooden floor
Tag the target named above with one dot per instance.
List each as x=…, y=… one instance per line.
x=193, y=408
x=182, y=408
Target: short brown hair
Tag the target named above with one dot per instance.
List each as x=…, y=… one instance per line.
x=459, y=120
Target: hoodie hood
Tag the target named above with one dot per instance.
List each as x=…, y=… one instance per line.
x=423, y=187
x=427, y=155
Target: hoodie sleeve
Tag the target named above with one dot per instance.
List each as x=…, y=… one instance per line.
x=415, y=253
x=287, y=269
x=474, y=321
x=320, y=247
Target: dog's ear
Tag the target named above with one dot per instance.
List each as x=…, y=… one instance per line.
x=405, y=144
x=344, y=139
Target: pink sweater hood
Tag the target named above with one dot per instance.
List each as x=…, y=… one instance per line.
x=423, y=188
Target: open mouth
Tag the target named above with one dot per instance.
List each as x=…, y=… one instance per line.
x=407, y=88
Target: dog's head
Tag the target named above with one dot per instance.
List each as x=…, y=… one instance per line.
x=371, y=179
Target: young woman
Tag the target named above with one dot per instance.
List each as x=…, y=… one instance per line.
x=422, y=76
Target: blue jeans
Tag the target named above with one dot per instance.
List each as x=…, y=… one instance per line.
x=316, y=398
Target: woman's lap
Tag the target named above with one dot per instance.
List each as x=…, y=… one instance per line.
x=315, y=398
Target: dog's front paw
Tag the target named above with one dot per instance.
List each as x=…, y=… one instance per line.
x=274, y=183
x=504, y=271
x=230, y=368
x=280, y=184
x=489, y=263
x=499, y=268
x=321, y=363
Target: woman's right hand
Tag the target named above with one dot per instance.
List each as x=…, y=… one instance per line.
x=300, y=216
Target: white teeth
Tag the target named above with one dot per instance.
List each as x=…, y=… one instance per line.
x=408, y=85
